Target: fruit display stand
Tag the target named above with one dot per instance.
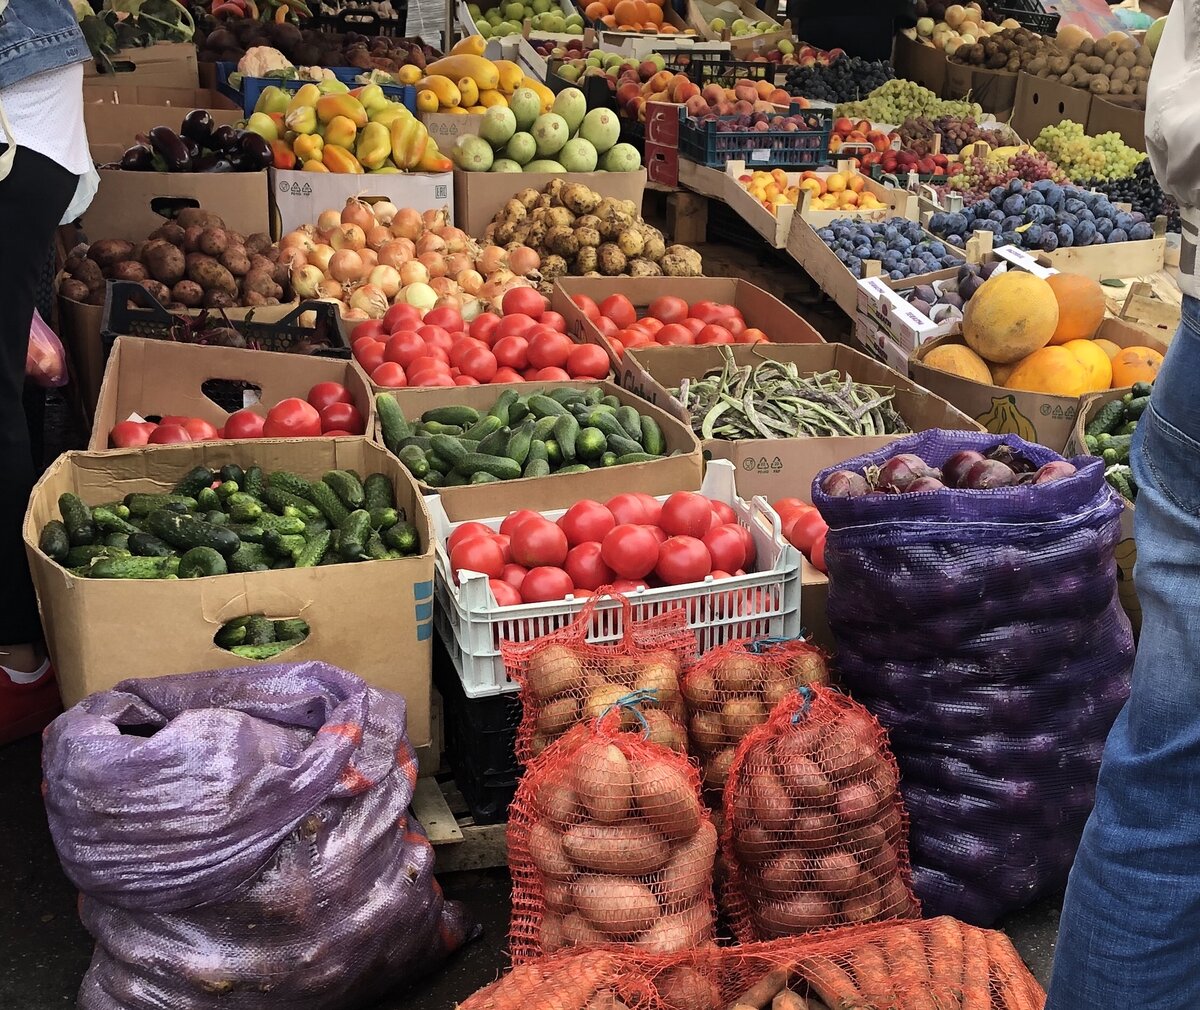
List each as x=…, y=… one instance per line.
x=994, y=90
x=761, y=603
x=700, y=16
x=706, y=144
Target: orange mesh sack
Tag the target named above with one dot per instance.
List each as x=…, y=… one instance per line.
x=732, y=689
x=594, y=980
x=608, y=843
x=814, y=832
x=565, y=679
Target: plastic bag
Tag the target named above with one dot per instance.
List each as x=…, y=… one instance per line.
x=45, y=359
x=984, y=630
x=608, y=842
x=814, y=834
x=241, y=838
x=565, y=679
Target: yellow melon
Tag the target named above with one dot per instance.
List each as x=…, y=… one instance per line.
x=1094, y=360
x=1000, y=373
x=1050, y=370
x=961, y=361
x=1010, y=316
x=1081, y=306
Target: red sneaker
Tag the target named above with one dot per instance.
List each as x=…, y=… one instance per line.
x=29, y=708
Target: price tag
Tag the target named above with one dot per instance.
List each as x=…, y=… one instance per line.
x=763, y=155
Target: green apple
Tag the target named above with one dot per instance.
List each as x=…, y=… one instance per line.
x=485, y=30
x=514, y=11
x=765, y=26
x=658, y=60
x=718, y=24
x=574, y=19
x=569, y=72
x=540, y=6
x=475, y=11
x=786, y=47
x=555, y=23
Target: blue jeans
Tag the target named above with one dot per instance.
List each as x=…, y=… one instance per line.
x=1130, y=929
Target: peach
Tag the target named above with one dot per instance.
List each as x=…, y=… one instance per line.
x=646, y=70
x=779, y=97
x=696, y=106
x=660, y=81
x=764, y=89
x=713, y=93
x=743, y=108
x=690, y=90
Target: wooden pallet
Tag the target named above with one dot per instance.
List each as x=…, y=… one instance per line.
x=460, y=843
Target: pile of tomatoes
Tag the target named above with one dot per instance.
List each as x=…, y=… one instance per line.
x=632, y=541
x=327, y=410
x=803, y=528
x=528, y=343
x=668, y=322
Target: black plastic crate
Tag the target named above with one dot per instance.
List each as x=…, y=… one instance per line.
x=703, y=143
x=724, y=72
x=1031, y=14
x=364, y=21
x=595, y=89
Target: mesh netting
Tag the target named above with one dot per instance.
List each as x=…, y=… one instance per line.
x=814, y=834
x=984, y=630
x=608, y=842
x=732, y=688
x=565, y=679
x=242, y=839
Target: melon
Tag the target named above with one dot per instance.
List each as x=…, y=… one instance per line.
x=498, y=125
x=550, y=133
x=1081, y=306
x=572, y=106
x=1012, y=315
x=1095, y=362
x=1154, y=35
x=959, y=360
x=1053, y=370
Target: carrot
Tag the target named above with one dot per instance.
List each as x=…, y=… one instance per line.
x=522, y=981
x=570, y=987
x=976, y=985
x=945, y=944
x=910, y=972
x=788, y=1000
x=831, y=982
x=1015, y=993
x=762, y=992
x=874, y=976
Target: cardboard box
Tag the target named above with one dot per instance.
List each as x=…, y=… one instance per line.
x=79, y=328
x=664, y=476
x=479, y=196
x=134, y=94
x=994, y=90
x=701, y=13
x=874, y=340
x=151, y=378
x=447, y=127
x=759, y=308
x=1039, y=103
x=640, y=45
x=373, y=618
x=162, y=65
x=1118, y=115
x=924, y=64
x=298, y=197
x=1036, y=417
x=112, y=126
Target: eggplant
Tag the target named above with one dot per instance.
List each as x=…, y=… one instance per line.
x=197, y=125
x=205, y=162
x=171, y=147
x=193, y=150
x=139, y=158
x=221, y=164
x=223, y=138
x=256, y=153
x=236, y=161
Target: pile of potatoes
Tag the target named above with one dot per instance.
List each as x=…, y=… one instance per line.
x=610, y=843
x=814, y=833
x=563, y=686
x=190, y=263
x=1009, y=49
x=731, y=690
x=1116, y=64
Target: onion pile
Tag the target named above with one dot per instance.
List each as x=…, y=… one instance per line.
x=369, y=256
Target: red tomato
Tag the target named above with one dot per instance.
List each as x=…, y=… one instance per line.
x=695, y=325
x=506, y=595
x=554, y=320
x=607, y=327
x=652, y=506
x=506, y=374
x=619, y=309
x=735, y=325
x=586, y=521
x=517, y=325
x=627, y=508
x=483, y=327
x=650, y=325
x=244, y=424
x=708, y=311
x=817, y=555
x=371, y=357
x=450, y=319
x=166, y=434
x=551, y=375
x=434, y=359
x=669, y=309
x=336, y=433
x=479, y=363
x=292, y=418
x=659, y=533
x=751, y=550
x=512, y=352
x=428, y=379
x=587, y=306
x=466, y=380
x=125, y=434
x=686, y=514
x=505, y=542
x=201, y=431
x=401, y=316
x=390, y=374
x=518, y=518
x=544, y=583
x=752, y=335
x=403, y=347
x=523, y=301
x=477, y=554
x=460, y=348
x=790, y=505
x=628, y=585
x=681, y=560
x=468, y=531
x=634, y=337
x=587, y=361
x=530, y=374
x=722, y=513
x=804, y=528
x=675, y=334
x=586, y=567
x=538, y=542
x=372, y=328
x=549, y=349
x=514, y=575
x=618, y=348
x=436, y=336
x=343, y=417
x=714, y=334
x=325, y=393
x=361, y=343
x=630, y=551
x=726, y=547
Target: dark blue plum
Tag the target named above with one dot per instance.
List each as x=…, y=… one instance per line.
x=1124, y=221
x=896, y=275
x=983, y=207
x=1011, y=223
x=996, y=215
x=825, y=235
x=957, y=223
x=1014, y=204
x=1035, y=197
x=1141, y=231
x=1033, y=236
x=1042, y=185
x=997, y=194
x=1010, y=238
x=916, y=266
x=1054, y=195
x=1049, y=241
x=1066, y=235
x=992, y=226
x=1104, y=227
x=1117, y=235
x=1085, y=233
x=955, y=240
x=1074, y=206
x=1016, y=185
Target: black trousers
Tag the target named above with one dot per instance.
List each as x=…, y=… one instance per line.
x=33, y=199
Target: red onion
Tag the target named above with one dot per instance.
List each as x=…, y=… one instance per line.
x=902, y=470
x=844, y=484
x=925, y=484
x=1055, y=470
x=956, y=467
x=988, y=473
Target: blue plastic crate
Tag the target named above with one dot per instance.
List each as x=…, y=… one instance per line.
x=252, y=87
x=704, y=144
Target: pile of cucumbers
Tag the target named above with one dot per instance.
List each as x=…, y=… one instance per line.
x=257, y=636
x=231, y=520
x=1109, y=435
x=536, y=434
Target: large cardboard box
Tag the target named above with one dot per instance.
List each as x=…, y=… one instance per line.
x=113, y=125
x=1039, y=103
x=994, y=90
x=184, y=99
x=759, y=308
x=1036, y=417
x=162, y=65
x=373, y=618
x=680, y=471
x=298, y=197
x=447, y=127
x=151, y=378
x=924, y=64
x=1118, y=115
x=478, y=196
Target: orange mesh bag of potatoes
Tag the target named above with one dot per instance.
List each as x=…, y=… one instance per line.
x=814, y=832
x=594, y=980
x=565, y=679
x=732, y=688
x=608, y=843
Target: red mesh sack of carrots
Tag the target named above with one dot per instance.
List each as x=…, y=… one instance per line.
x=732, y=688
x=592, y=980
x=566, y=679
x=608, y=843
x=814, y=833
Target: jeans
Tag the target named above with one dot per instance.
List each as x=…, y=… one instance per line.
x=1130, y=929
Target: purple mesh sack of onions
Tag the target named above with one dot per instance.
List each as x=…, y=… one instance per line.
x=241, y=840
x=973, y=597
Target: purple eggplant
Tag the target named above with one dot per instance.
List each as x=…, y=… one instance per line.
x=198, y=126
x=171, y=148
x=256, y=153
x=138, y=158
x=224, y=138
x=193, y=150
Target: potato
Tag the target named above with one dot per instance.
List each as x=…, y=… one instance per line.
x=191, y=239
x=737, y=673
x=837, y=873
x=257, y=243
x=863, y=907
x=867, y=839
x=616, y=848
x=73, y=290
x=685, y=988
x=546, y=851
x=740, y=715
x=716, y=770
x=688, y=874
x=552, y=671
x=777, y=684
x=693, y=927
x=108, y=251
x=883, y=861
x=894, y=900
x=190, y=216
x=618, y=907
x=803, y=778
x=217, y=299
x=803, y=912
x=259, y=281
x=814, y=829
x=603, y=781
x=857, y=802
x=754, y=845
x=557, y=716
x=235, y=260
x=209, y=274
x=165, y=262
x=169, y=232
x=782, y=877
x=96, y=296
x=577, y=933
x=188, y=293
x=556, y=802
x=659, y=673
x=160, y=292
x=770, y=804
x=665, y=730
x=551, y=936
x=700, y=689
x=706, y=731
x=558, y=897
x=538, y=743
x=605, y=1000
x=128, y=270
x=850, y=749
x=666, y=799
x=88, y=272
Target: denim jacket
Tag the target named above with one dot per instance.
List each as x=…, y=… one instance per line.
x=36, y=36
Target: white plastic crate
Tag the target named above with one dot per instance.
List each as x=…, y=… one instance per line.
x=766, y=602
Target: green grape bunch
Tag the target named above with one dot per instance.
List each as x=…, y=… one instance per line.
x=1105, y=157
x=897, y=101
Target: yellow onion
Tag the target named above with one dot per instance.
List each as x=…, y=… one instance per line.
x=358, y=213
x=414, y=272
x=456, y=263
x=330, y=289
x=371, y=300
x=354, y=315
x=470, y=308
x=386, y=278
x=490, y=260
x=470, y=281
x=300, y=238
x=394, y=253
x=306, y=281
x=378, y=236
x=293, y=257
x=434, y=219
x=443, y=285
x=346, y=266
x=320, y=256
x=370, y=259
x=384, y=210
x=434, y=262
x=447, y=302
x=327, y=220
x=348, y=236
x=418, y=294
x=523, y=261
x=407, y=224
x=455, y=238
x=430, y=242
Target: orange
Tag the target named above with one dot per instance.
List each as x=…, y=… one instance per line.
x=596, y=10
x=1135, y=364
x=1094, y=360
x=1108, y=347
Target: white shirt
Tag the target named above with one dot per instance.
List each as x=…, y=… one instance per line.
x=46, y=113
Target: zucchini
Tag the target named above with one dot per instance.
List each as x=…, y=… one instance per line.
x=591, y=444
x=133, y=568
x=519, y=441
x=403, y=538
x=1107, y=418
x=383, y=518
x=392, y=425
x=291, y=627
x=314, y=550
x=201, y=562
x=354, y=533
x=378, y=493
x=260, y=630
x=249, y=557
x=544, y=406
x=232, y=472
x=289, y=482
x=502, y=406
x=497, y=466
x=448, y=448
x=77, y=518
x=268, y=650
x=147, y=545
x=455, y=414
x=141, y=505
x=55, y=541
x=347, y=487
x=184, y=532
x=194, y=481
x=243, y=508
x=414, y=460
x=324, y=497
x=254, y=483
x=279, y=499
x=566, y=434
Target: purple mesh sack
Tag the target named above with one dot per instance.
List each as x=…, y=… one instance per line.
x=241, y=838
x=983, y=630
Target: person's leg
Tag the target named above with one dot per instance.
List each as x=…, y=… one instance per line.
x=1130, y=928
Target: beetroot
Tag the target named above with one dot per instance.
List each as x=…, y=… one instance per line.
x=987, y=474
x=844, y=484
x=956, y=467
x=925, y=484
x=1054, y=470
x=900, y=471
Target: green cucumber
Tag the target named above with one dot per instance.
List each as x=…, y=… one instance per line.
x=383, y=518
x=201, y=562
x=591, y=444
x=354, y=533
x=483, y=477
x=254, y=482
x=207, y=500
x=403, y=538
x=376, y=551
x=500, y=409
x=314, y=550
x=1106, y=418
x=536, y=468
x=108, y=521
x=332, y=555
x=610, y=401
x=414, y=460
x=289, y=482
x=183, y=532
x=347, y=487
x=543, y=428
x=608, y=459
x=243, y=508
x=118, y=541
x=518, y=411
x=392, y=425
x=290, y=526
x=623, y=446
x=544, y=406
x=147, y=545
x=519, y=441
x=593, y=395
x=637, y=457
x=565, y=394
x=227, y=489
x=434, y=479
x=268, y=650
x=250, y=557
x=324, y=497
x=573, y=468
x=291, y=627
x=232, y=472
x=483, y=427
x=231, y=633
x=631, y=421
x=84, y=554
x=55, y=541
x=495, y=443
x=455, y=414
x=133, y=568
x=260, y=630
x=437, y=428
x=77, y=518
x=448, y=448
x=499, y=466
x=284, y=546
x=554, y=454
x=279, y=499
x=378, y=493
x=566, y=434
x=141, y=505
x=194, y=481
